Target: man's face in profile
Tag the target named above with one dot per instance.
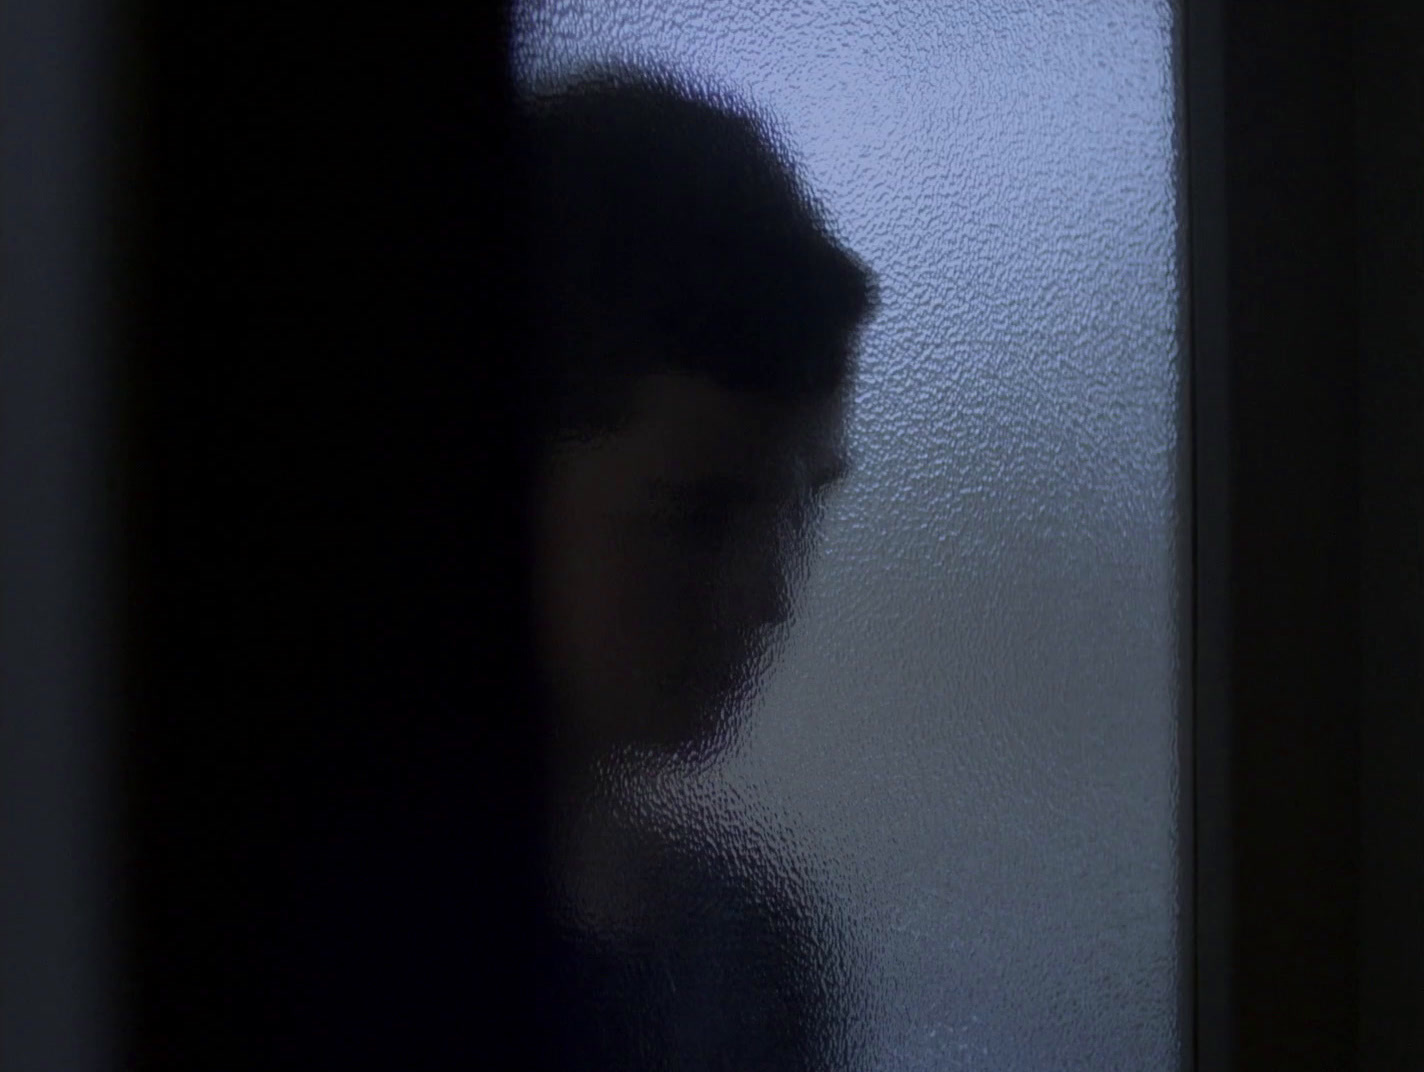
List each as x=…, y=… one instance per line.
x=672, y=549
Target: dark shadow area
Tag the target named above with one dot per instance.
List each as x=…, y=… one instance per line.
x=330, y=751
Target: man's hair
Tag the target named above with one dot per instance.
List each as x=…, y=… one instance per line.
x=669, y=233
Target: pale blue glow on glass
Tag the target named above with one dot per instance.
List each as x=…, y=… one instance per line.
x=976, y=724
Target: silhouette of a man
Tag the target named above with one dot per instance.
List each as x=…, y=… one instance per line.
x=694, y=342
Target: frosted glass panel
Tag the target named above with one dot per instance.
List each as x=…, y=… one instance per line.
x=959, y=759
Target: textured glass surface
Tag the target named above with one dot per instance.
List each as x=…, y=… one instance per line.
x=963, y=758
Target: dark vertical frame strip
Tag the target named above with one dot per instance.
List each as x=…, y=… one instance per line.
x=329, y=742
x=1294, y=429
x=56, y=529
x=1209, y=723
x=1389, y=89
x=1276, y=423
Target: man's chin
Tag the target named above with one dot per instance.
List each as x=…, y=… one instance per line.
x=699, y=728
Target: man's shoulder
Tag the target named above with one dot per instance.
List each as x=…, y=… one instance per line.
x=731, y=949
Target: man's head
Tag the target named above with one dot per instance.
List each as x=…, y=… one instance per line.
x=694, y=349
